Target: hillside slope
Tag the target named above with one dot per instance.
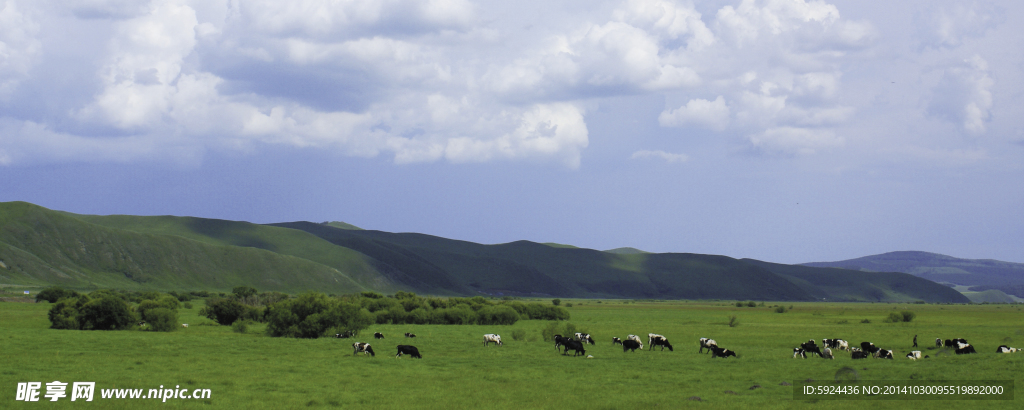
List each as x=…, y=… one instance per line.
x=43, y=247
x=979, y=274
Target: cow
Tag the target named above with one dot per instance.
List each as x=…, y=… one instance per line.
x=914, y=355
x=652, y=336
x=489, y=338
x=839, y=344
x=560, y=341
x=575, y=345
x=634, y=337
x=810, y=347
x=184, y=325
x=953, y=342
x=345, y=335
x=883, y=354
x=843, y=345
x=410, y=335
x=798, y=352
x=1006, y=349
x=363, y=348
x=631, y=345
x=616, y=341
x=868, y=347
x=662, y=341
x=720, y=352
x=584, y=337
x=706, y=343
x=938, y=342
x=378, y=335
x=409, y=350
x=859, y=355
x=827, y=354
x=964, y=348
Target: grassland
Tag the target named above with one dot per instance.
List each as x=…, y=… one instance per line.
x=457, y=371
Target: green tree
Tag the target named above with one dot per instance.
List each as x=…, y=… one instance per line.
x=224, y=311
x=161, y=319
x=64, y=314
x=312, y=314
x=106, y=313
x=556, y=302
x=54, y=294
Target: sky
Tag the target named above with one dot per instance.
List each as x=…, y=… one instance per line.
x=782, y=130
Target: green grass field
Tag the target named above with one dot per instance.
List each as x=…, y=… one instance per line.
x=457, y=371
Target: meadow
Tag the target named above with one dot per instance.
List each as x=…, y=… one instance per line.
x=253, y=370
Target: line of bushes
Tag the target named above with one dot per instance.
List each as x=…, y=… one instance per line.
x=110, y=310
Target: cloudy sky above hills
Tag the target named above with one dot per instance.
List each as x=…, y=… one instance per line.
x=782, y=130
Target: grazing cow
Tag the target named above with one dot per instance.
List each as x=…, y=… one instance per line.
x=378, y=335
x=616, y=341
x=1006, y=349
x=798, y=352
x=560, y=341
x=631, y=345
x=938, y=342
x=914, y=355
x=964, y=348
x=410, y=335
x=661, y=341
x=409, y=350
x=883, y=354
x=953, y=342
x=720, y=352
x=634, y=337
x=810, y=347
x=706, y=343
x=363, y=348
x=836, y=344
x=827, y=354
x=859, y=355
x=869, y=347
x=652, y=336
x=843, y=345
x=184, y=325
x=575, y=345
x=584, y=337
x=488, y=338
x=345, y=335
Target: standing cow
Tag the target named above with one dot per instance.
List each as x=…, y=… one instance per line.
x=492, y=338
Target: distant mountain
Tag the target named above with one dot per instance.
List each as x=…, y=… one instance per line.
x=978, y=274
x=626, y=251
x=43, y=247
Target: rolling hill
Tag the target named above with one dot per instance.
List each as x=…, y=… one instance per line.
x=42, y=247
x=978, y=274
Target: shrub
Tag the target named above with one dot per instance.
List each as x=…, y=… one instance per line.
x=311, y=314
x=733, y=321
x=498, y=315
x=908, y=315
x=568, y=304
x=751, y=304
x=739, y=304
x=556, y=302
x=893, y=318
x=64, y=314
x=161, y=319
x=106, y=313
x=518, y=334
x=780, y=309
x=866, y=321
x=224, y=311
x=187, y=305
x=560, y=328
x=241, y=326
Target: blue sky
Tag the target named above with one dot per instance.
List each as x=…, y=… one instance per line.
x=783, y=130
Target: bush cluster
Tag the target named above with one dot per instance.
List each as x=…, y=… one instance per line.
x=904, y=316
x=110, y=309
x=408, y=308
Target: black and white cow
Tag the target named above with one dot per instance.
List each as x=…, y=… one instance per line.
x=914, y=355
x=575, y=345
x=652, y=336
x=706, y=343
x=409, y=350
x=363, y=348
x=378, y=335
x=827, y=354
x=410, y=335
x=839, y=344
x=883, y=354
x=344, y=335
x=492, y=338
x=631, y=345
x=720, y=352
x=938, y=342
x=798, y=352
x=953, y=342
x=810, y=347
x=964, y=348
x=1006, y=349
x=616, y=341
x=584, y=337
x=869, y=347
x=634, y=337
x=859, y=354
x=661, y=341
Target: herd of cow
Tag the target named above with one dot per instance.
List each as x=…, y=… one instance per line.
x=868, y=349
x=578, y=342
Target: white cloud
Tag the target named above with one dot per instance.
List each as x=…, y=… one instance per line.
x=964, y=95
x=19, y=49
x=662, y=155
x=709, y=114
x=948, y=23
x=794, y=141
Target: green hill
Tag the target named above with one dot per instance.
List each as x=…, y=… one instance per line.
x=43, y=247
x=626, y=250
x=979, y=274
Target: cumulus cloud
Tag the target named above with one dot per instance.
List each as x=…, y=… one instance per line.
x=949, y=24
x=964, y=95
x=19, y=49
x=662, y=155
x=709, y=114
